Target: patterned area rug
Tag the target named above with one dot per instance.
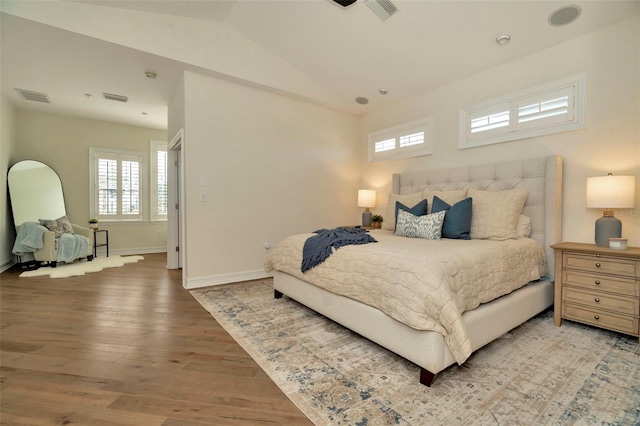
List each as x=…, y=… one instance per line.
x=81, y=267
x=537, y=374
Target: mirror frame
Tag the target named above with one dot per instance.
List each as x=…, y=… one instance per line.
x=35, y=191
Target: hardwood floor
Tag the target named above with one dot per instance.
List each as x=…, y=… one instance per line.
x=125, y=346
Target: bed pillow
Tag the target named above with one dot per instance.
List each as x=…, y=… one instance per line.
x=496, y=213
x=449, y=197
x=60, y=225
x=524, y=227
x=428, y=226
x=457, y=221
x=390, y=216
x=420, y=209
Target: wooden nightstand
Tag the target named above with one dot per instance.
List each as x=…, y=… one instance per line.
x=598, y=286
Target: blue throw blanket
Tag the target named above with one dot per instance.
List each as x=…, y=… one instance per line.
x=319, y=247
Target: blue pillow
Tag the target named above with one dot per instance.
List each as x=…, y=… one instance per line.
x=457, y=221
x=419, y=209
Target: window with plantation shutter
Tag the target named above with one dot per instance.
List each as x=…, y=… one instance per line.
x=555, y=107
x=159, y=183
x=406, y=140
x=117, y=185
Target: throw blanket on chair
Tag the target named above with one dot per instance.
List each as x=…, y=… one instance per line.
x=319, y=247
x=29, y=238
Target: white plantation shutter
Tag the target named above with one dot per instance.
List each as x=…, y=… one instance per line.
x=159, y=182
x=162, y=183
x=107, y=187
x=406, y=140
x=117, y=185
x=554, y=107
x=130, y=184
x=547, y=108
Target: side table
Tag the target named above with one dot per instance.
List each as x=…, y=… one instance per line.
x=103, y=244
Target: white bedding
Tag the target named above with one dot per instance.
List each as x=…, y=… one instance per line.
x=425, y=284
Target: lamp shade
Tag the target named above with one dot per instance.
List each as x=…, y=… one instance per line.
x=366, y=198
x=611, y=192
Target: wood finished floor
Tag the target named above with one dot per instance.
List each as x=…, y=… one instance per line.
x=125, y=346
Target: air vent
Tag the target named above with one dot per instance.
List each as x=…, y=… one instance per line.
x=382, y=8
x=113, y=97
x=29, y=95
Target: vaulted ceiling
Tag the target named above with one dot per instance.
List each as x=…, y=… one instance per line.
x=315, y=50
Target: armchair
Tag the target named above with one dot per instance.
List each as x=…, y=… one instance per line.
x=48, y=252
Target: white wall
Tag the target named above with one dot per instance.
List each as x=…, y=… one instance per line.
x=272, y=166
x=610, y=143
x=63, y=143
x=8, y=144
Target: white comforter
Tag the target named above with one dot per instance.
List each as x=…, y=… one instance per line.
x=425, y=284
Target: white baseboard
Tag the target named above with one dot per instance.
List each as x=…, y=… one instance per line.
x=212, y=280
x=7, y=264
x=128, y=252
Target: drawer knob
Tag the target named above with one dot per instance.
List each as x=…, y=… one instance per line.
x=597, y=299
x=596, y=317
x=597, y=282
x=597, y=265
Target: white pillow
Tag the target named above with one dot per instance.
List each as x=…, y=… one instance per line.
x=496, y=213
x=428, y=226
x=449, y=197
x=524, y=226
x=408, y=200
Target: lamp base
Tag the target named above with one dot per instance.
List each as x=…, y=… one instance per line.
x=607, y=227
x=366, y=219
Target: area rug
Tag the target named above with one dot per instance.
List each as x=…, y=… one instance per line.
x=81, y=267
x=537, y=374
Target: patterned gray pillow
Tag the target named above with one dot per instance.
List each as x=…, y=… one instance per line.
x=428, y=227
x=60, y=225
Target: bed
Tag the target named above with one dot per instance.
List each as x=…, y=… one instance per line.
x=458, y=325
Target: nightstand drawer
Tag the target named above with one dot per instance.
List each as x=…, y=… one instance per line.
x=590, y=281
x=606, y=320
x=621, y=305
x=594, y=263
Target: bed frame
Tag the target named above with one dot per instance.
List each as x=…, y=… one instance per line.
x=543, y=178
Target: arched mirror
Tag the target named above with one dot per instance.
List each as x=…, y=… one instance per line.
x=36, y=192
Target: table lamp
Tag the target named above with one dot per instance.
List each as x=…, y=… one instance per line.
x=608, y=193
x=366, y=199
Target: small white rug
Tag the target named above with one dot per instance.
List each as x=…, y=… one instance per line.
x=81, y=267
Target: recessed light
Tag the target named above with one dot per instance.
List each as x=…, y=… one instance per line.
x=503, y=39
x=144, y=113
x=362, y=100
x=383, y=91
x=565, y=15
x=150, y=74
x=88, y=95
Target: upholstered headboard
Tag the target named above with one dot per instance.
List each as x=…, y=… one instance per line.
x=542, y=177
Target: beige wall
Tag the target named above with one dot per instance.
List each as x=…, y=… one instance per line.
x=610, y=143
x=63, y=143
x=8, y=144
x=272, y=166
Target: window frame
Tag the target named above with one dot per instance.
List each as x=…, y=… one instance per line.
x=97, y=153
x=396, y=133
x=576, y=117
x=154, y=147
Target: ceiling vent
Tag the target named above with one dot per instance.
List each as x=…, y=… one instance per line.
x=29, y=95
x=112, y=97
x=382, y=8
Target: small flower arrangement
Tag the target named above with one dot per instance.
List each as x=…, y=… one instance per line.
x=93, y=223
x=376, y=220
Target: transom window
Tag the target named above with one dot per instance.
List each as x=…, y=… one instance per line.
x=406, y=140
x=555, y=107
